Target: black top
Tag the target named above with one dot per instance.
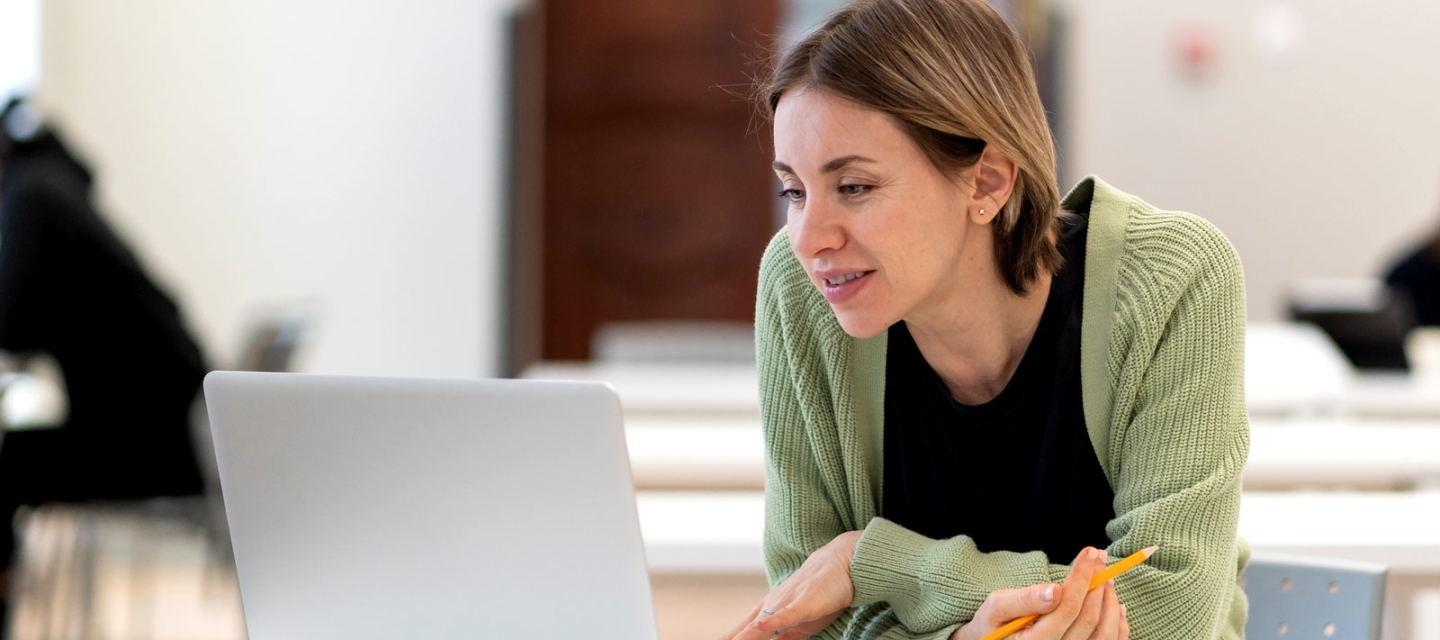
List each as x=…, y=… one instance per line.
x=1017, y=473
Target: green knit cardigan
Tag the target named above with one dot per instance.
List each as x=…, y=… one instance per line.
x=1162, y=354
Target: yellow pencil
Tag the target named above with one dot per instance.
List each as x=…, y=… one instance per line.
x=1100, y=578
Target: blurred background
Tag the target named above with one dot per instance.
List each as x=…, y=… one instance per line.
x=581, y=189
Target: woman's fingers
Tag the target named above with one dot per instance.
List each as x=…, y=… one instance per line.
x=1005, y=605
x=783, y=611
x=1084, y=624
x=1124, y=623
x=1109, y=626
x=783, y=616
x=761, y=625
x=799, y=630
x=799, y=603
x=813, y=596
x=744, y=622
x=1089, y=616
x=1073, y=596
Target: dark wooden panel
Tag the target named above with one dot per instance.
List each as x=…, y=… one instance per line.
x=658, y=196
x=525, y=196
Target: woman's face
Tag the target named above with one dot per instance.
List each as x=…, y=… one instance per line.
x=881, y=232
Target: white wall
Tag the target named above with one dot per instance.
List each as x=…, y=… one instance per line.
x=265, y=152
x=1320, y=157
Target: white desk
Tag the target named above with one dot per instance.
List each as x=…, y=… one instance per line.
x=1293, y=369
x=727, y=453
x=1398, y=529
x=703, y=453
x=668, y=389
x=1391, y=395
x=702, y=532
x=1375, y=454
x=720, y=532
x=1290, y=370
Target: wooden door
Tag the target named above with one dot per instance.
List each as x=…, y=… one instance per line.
x=658, y=196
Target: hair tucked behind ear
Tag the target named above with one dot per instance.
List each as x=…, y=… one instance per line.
x=958, y=79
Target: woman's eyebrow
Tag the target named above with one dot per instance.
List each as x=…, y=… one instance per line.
x=829, y=167
x=839, y=163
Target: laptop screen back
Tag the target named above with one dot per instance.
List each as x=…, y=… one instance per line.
x=386, y=508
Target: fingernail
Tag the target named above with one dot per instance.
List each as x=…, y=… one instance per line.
x=1124, y=611
x=1049, y=593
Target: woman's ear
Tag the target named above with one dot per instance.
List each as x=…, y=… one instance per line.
x=995, y=175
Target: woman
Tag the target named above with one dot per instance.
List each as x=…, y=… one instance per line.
x=966, y=382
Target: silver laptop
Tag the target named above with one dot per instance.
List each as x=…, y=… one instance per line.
x=389, y=508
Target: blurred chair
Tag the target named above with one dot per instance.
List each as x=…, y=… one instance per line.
x=108, y=572
x=1304, y=597
x=276, y=335
x=111, y=570
x=677, y=341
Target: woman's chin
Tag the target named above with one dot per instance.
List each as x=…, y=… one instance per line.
x=860, y=324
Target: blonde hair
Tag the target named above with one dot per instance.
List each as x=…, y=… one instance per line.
x=958, y=79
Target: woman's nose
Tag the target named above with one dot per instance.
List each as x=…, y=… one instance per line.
x=814, y=230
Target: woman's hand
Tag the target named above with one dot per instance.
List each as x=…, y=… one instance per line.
x=809, y=600
x=1070, y=614
x=1004, y=605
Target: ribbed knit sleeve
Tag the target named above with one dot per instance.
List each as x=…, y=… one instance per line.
x=1179, y=433
x=800, y=516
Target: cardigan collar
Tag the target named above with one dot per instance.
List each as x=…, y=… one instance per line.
x=1109, y=211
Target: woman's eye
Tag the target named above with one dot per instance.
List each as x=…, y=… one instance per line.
x=854, y=189
x=793, y=195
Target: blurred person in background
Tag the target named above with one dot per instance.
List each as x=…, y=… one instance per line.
x=967, y=382
x=1418, y=275
x=70, y=288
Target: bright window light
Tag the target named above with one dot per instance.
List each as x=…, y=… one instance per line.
x=19, y=46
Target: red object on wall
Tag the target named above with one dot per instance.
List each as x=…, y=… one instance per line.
x=1196, y=52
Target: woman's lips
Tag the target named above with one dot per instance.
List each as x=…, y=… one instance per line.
x=839, y=293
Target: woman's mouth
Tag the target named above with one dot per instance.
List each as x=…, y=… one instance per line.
x=842, y=287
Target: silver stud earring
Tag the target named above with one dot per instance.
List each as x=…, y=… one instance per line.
x=982, y=213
